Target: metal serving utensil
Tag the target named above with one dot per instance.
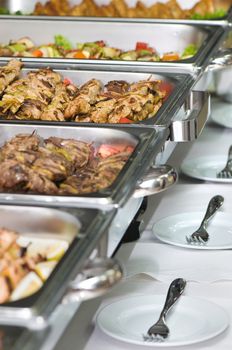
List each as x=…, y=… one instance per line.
x=201, y=236
x=160, y=331
x=226, y=172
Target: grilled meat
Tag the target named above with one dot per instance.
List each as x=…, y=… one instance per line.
x=78, y=152
x=82, y=103
x=95, y=178
x=38, y=85
x=102, y=111
x=20, y=143
x=82, y=182
x=40, y=184
x=55, y=110
x=42, y=95
x=9, y=73
x=13, y=175
x=58, y=166
x=118, y=86
x=52, y=165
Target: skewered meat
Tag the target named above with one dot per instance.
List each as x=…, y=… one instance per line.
x=42, y=95
x=77, y=152
x=40, y=184
x=37, y=86
x=93, y=179
x=118, y=86
x=55, y=110
x=87, y=96
x=8, y=73
x=13, y=175
x=58, y=166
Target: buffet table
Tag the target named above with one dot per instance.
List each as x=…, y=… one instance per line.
x=187, y=196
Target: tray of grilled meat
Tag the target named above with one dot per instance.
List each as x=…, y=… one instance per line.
x=196, y=10
x=100, y=43
x=87, y=97
x=42, y=252
x=74, y=166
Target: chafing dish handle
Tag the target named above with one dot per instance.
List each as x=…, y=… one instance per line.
x=221, y=60
x=158, y=178
x=197, y=112
x=97, y=277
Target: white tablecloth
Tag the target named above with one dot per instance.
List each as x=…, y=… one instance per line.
x=186, y=197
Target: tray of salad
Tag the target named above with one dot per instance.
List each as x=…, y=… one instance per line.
x=105, y=43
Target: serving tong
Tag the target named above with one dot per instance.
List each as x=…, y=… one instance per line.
x=159, y=331
x=201, y=236
x=226, y=172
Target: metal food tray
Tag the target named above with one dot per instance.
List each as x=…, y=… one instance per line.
x=182, y=84
x=27, y=7
x=147, y=143
x=165, y=37
x=183, y=104
x=82, y=227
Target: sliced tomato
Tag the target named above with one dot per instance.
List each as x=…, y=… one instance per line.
x=166, y=87
x=37, y=53
x=79, y=54
x=124, y=120
x=106, y=151
x=171, y=56
x=141, y=46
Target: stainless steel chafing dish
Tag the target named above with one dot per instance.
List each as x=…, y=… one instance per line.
x=27, y=7
x=185, y=111
x=166, y=37
x=83, y=230
x=147, y=143
x=217, y=77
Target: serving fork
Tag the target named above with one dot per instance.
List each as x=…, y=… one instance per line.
x=226, y=172
x=201, y=236
x=160, y=331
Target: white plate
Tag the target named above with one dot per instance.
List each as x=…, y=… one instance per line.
x=173, y=230
x=222, y=113
x=191, y=320
x=205, y=168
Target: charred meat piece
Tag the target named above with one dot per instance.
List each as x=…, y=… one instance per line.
x=102, y=111
x=13, y=175
x=55, y=110
x=85, y=99
x=52, y=165
x=109, y=168
x=118, y=86
x=20, y=143
x=9, y=73
x=30, y=109
x=145, y=87
x=40, y=184
x=77, y=152
x=82, y=182
x=38, y=85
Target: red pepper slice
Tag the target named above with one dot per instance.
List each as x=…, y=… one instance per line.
x=125, y=120
x=141, y=46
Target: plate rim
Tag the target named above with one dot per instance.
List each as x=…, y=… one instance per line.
x=203, y=178
x=182, y=245
x=175, y=344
